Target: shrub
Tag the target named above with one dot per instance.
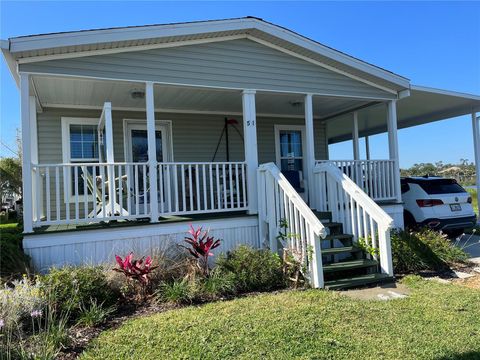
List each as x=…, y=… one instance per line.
x=177, y=292
x=253, y=269
x=18, y=301
x=424, y=250
x=136, y=270
x=93, y=314
x=218, y=284
x=70, y=287
x=200, y=246
x=13, y=261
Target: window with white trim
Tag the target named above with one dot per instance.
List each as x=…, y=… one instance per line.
x=80, y=145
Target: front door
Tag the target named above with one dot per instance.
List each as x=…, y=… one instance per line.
x=290, y=154
x=136, y=139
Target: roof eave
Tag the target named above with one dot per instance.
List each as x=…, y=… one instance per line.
x=78, y=38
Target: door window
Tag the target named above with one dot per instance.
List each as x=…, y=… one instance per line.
x=291, y=153
x=140, y=145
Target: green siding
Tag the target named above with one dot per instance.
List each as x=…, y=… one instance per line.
x=232, y=64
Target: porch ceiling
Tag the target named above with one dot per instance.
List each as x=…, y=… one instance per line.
x=92, y=94
x=424, y=105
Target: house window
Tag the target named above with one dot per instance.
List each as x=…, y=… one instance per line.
x=80, y=145
x=83, y=143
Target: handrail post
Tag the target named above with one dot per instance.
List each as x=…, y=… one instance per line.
x=316, y=269
x=385, y=247
x=262, y=205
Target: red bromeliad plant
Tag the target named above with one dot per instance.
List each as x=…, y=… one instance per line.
x=136, y=269
x=200, y=246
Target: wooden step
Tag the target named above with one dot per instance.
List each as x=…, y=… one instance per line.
x=323, y=215
x=339, y=237
x=357, y=281
x=349, y=265
x=339, y=250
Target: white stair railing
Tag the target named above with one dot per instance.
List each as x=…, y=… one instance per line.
x=279, y=202
x=359, y=214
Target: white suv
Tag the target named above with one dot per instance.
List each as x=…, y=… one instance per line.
x=438, y=203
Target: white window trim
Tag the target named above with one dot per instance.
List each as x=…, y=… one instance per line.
x=164, y=125
x=66, y=122
x=279, y=128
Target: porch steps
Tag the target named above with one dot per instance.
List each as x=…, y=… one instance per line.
x=340, y=250
x=357, y=281
x=345, y=265
x=349, y=265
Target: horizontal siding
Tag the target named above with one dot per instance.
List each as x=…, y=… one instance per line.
x=233, y=64
x=101, y=246
x=194, y=137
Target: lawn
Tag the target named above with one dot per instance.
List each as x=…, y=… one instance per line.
x=473, y=193
x=437, y=321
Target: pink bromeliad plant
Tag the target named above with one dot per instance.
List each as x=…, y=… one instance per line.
x=138, y=270
x=201, y=245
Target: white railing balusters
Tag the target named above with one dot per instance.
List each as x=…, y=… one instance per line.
x=278, y=201
x=358, y=213
x=375, y=177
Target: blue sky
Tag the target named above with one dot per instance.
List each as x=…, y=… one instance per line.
x=434, y=44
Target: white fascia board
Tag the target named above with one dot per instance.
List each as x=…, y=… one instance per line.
x=29, y=43
x=445, y=92
x=308, y=44
x=11, y=63
x=38, y=42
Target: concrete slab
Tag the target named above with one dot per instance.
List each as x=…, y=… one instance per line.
x=388, y=291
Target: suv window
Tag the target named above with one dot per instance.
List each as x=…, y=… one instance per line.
x=405, y=187
x=441, y=186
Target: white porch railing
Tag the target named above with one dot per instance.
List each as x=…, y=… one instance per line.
x=85, y=193
x=202, y=187
x=359, y=214
x=279, y=202
x=377, y=178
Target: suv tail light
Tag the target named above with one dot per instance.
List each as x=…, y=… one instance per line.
x=429, y=202
x=469, y=200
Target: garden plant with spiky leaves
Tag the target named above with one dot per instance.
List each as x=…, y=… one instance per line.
x=136, y=269
x=200, y=248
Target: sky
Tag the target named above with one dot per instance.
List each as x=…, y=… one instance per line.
x=435, y=44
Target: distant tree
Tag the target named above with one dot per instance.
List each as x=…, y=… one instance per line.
x=10, y=176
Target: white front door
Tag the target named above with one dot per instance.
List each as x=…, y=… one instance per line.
x=290, y=154
x=137, y=141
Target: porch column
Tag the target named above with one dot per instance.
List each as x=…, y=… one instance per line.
x=393, y=144
x=37, y=191
x=356, y=145
x=152, y=152
x=251, y=152
x=367, y=147
x=476, y=148
x=25, y=111
x=310, y=148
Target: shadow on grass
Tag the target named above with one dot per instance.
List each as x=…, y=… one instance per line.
x=471, y=355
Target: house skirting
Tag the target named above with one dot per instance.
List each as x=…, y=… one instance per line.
x=395, y=211
x=100, y=246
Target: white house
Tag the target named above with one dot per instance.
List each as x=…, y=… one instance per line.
x=130, y=134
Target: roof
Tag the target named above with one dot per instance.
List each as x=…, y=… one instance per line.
x=78, y=43
x=424, y=105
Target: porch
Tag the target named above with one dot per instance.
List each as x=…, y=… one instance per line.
x=154, y=151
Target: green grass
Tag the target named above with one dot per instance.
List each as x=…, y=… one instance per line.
x=436, y=322
x=473, y=193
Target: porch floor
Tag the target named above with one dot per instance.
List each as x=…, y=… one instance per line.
x=127, y=223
